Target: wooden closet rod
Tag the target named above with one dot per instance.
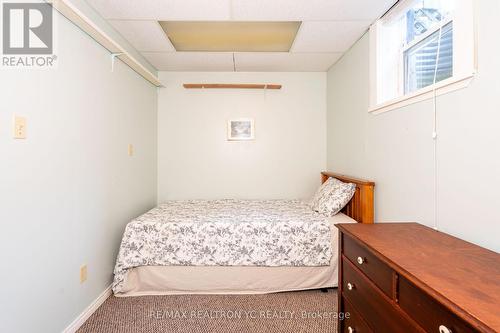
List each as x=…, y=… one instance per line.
x=230, y=86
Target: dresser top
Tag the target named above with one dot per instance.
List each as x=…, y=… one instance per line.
x=452, y=270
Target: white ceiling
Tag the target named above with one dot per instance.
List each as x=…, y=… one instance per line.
x=329, y=28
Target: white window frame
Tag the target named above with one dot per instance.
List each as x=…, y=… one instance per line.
x=464, y=58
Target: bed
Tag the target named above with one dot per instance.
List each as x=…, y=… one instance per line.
x=281, y=245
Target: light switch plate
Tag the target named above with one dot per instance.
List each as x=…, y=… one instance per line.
x=19, y=127
x=130, y=149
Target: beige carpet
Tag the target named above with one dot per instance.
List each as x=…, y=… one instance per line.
x=303, y=311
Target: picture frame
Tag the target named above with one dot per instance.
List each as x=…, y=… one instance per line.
x=242, y=129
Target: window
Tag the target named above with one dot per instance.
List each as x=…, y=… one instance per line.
x=414, y=50
x=420, y=59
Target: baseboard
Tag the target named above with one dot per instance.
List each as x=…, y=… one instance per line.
x=78, y=322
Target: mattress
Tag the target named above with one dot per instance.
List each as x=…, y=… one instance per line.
x=271, y=233
x=172, y=280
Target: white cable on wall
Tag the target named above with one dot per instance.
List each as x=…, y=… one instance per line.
x=434, y=128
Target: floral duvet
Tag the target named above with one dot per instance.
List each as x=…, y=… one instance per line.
x=225, y=233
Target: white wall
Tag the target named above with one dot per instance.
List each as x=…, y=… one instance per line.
x=67, y=191
x=196, y=161
x=395, y=149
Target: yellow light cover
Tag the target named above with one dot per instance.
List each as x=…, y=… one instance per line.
x=231, y=36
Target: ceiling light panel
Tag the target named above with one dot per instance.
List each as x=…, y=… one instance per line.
x=230, y=36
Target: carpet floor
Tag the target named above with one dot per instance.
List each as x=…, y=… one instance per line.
x=301, y=311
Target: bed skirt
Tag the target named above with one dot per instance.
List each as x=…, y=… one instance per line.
x=172, y=280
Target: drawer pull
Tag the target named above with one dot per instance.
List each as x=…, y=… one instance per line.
x=361, y=260
x=351, y=330
x=350, y=286
x=444, y=329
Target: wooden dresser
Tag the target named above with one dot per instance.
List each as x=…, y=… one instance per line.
x=405, y=277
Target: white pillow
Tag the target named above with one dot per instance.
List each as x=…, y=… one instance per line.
x=332, y=196
x=321, y=192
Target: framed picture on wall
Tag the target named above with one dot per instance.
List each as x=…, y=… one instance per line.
x=240, y=130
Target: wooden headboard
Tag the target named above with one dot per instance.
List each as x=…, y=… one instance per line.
x=360, y=208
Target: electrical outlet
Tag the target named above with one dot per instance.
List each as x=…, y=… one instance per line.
x=19, y=127
x=83, y=273
x=130, y=149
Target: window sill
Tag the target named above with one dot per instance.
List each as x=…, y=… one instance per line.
x=443, y=87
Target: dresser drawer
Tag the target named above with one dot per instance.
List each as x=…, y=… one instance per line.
x=427, y=312
x=375, y=308
x=355, y=323
x=369, y=264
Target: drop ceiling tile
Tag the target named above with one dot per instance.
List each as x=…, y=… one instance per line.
x=306, y=10
x=328, y=36
x=284, y=62
x=145, y=36
x=163, y=9
x=191, y=61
